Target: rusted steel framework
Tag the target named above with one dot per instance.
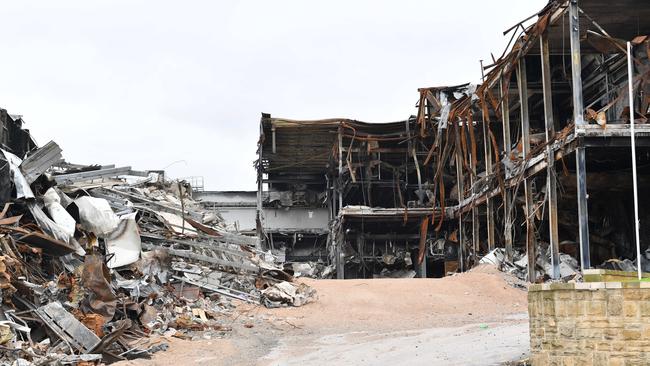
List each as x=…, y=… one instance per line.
x=372, y=179
x=559, y=89
x=507, y=163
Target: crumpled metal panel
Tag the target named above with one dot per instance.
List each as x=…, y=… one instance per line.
x=96, y=215
x=22, y=186
x=124, y=243
x=53, y=205
x=96, y=279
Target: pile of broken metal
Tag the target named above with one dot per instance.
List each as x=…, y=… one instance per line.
x=518, y=265
x=96, y=260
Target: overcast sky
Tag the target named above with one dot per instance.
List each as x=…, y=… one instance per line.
x=149, y=83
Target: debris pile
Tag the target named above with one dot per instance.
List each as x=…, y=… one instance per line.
x=627, y=265
x=310, y=269
x=518, y=266
x=96, y=259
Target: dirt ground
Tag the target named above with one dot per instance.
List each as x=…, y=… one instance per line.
x=474, y=318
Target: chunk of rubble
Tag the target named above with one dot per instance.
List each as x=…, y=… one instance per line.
x=288, y=294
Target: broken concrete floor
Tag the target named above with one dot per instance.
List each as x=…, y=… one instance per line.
x=475, y=318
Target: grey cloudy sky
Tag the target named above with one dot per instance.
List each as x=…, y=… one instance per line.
x=148, y=83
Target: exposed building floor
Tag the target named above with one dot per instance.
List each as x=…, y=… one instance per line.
x=475, y=318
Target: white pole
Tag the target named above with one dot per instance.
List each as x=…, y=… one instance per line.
x=632, y=142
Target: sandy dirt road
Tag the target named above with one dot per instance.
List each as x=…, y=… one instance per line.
x=475, y=318
x=473, y=344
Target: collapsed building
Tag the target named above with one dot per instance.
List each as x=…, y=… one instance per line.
x=97, y=263
x=535, y=160
x=552, y=115
x=362, y=186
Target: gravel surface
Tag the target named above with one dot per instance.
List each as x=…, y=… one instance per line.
x=474, y=318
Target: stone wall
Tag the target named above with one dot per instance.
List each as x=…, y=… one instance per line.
x=599, y=323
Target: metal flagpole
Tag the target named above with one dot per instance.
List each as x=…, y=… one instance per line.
x=632, y=142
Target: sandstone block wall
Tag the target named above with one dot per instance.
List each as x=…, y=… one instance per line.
x=600, y=323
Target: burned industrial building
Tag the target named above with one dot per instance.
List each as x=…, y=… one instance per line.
x=535, y=159
x=365, y=184
x=526, y=186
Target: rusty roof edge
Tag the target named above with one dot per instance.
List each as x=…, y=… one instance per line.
x=284, y=122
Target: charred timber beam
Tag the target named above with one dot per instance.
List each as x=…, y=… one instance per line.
x=551, y=182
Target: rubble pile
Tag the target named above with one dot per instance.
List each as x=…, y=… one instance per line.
x=569, y=266
x=94, y=260
x=518, y=266
x=310, y=269
x=627, y=265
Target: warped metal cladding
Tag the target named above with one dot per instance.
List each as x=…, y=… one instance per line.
x=293, y=147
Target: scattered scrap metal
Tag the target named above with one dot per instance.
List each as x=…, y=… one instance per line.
x=95, y=259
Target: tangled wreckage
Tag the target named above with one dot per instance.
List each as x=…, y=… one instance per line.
x=94, y=259
x=503, y=167
x=531, y=171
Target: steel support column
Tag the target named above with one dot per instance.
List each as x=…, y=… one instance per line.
x=487, y=150
x=578, y=117
x=551, y=181
x=339, y=259
x=475, y=219
x=340, y=175
x=531, y=251
x=461, y=195
x=504, y=87
x=259, y=229
x=422, y=267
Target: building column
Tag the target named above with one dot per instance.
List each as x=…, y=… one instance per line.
x=461, y=194
x=531, y=245
x=487, y=149
x=578, y=117
x=504, y=86
x=551, y=182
